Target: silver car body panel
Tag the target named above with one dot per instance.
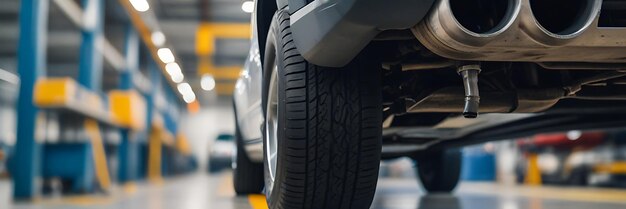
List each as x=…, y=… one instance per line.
x=247, y=97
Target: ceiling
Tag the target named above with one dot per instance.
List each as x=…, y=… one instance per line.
x=179, y=20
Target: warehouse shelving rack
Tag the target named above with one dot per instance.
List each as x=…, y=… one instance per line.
x=125, y=113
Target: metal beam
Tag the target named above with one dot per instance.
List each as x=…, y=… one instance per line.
x=154, y=75
x=76, y=15
x=207, y=33
x=206, y=36
x=146, y=36
x=129, y=148
x=206, y=66
x=225, y=88
x=31, y=66
x=90, y=67
x=131, y=53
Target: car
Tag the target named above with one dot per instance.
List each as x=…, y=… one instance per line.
x=563, y=158
x=221, y=153
x=331, y=87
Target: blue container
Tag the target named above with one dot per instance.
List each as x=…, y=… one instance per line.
x=70, y=161
x=478, y=165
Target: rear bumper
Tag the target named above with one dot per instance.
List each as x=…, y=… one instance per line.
x=332, y=32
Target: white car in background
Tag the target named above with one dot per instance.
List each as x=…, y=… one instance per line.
x=221, y=153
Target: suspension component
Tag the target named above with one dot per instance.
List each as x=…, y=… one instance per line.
x=469, y=73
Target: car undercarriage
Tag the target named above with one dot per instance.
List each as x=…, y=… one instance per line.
x=484, y=57
x=346, y=83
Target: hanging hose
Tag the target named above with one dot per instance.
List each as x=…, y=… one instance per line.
x=469, y=73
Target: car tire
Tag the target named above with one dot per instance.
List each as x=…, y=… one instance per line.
x=247, y=175
x=440, y=171
x=328, y=127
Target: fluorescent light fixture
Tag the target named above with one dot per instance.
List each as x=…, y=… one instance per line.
x=158, y=38
x=184, y=88
x=140, y=5
x=189, y=98
x=166, y=55
x=187, y=92
x=178, y=77
x=172, y=68
x=247, y=6
x=207, y=82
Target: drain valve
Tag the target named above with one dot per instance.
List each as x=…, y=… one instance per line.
x=469, y=73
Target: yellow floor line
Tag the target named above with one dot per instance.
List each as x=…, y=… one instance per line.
x=127, y=190
x=257, y=201
x=130, y=188
x=88, y=200
x=225, y=189
x=78, y=200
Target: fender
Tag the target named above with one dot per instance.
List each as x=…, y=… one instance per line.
x=332, y=32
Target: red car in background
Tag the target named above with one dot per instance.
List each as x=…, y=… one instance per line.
x=572, y=158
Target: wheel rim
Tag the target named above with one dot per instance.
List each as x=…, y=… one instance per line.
x=271, y=125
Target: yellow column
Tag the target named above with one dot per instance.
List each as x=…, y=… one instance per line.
x=99, y=155
x=154, y=157
x=533, y=173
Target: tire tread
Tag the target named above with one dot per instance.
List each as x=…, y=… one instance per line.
x=332, y=133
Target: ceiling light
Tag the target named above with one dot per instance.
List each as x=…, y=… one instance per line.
x=184, y=89
x=187, y=92
x=140, y=5
x=247, y=6
x=574, y=135
x=172, y=68
x=189, y=98
x=178, y=77
x=166, y=55
x=207, y=82
x=158, y=38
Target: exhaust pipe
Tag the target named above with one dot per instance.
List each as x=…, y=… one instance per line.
x=469, y=22
x=483, y=17
x=555, y=22
x=521, y=31
x=446, y=100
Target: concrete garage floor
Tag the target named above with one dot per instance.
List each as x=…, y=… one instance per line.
x=203, y=192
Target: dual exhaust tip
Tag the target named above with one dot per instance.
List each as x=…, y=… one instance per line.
x=551, y=22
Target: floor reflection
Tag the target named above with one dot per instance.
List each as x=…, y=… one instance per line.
x=470, y=201
x=407, y=194
x=443, y=201
x=202, y=191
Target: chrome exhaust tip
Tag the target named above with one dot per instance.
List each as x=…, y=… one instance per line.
x=482, y=18
x=525, y=30
x=469, y=22
x=555, y=22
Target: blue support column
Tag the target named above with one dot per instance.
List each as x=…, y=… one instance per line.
x=169, y=118
x=31, y=66
x=129, y=148
x=131, y=53
x=90, y=67
x=156, y=84
x=153, y=76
